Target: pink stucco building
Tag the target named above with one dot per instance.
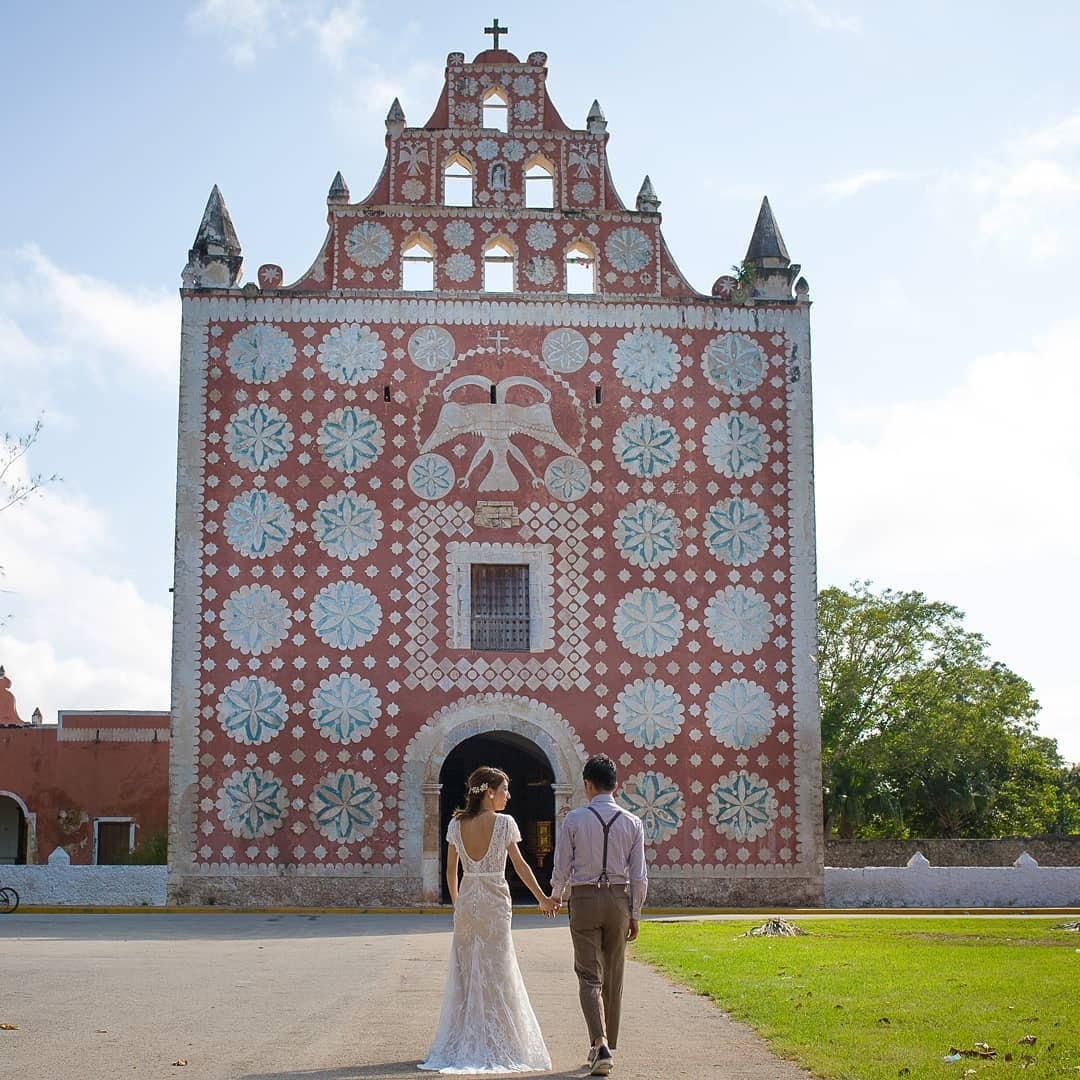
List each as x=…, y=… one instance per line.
x=95, y=783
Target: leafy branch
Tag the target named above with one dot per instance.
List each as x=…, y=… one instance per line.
x=745, y=275
x=12, y=450
x=15, y=488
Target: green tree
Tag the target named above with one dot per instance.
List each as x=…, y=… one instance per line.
x=963, y=750
x=153, y=850
x=867, y=644
x=1067, y=803
x=922, y=733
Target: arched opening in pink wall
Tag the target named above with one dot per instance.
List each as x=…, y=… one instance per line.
x=14, y=838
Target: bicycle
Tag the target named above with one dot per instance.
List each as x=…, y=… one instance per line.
x=9, y=899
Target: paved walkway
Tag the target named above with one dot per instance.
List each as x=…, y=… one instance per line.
x=309, y=997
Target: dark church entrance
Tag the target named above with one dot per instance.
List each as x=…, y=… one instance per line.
x=532, y=799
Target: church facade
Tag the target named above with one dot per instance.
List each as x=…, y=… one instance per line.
x=492, y=484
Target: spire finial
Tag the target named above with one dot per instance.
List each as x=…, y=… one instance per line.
x=595, y=121
x=216, y=232
x=215, y=259
x=339, y=190
x=767, y=257
x=767, y=243
x=395, y=119
x=647, y=202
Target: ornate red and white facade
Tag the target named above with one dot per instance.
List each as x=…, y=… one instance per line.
x=493, y=367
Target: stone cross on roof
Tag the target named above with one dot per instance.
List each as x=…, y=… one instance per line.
x=495, y=30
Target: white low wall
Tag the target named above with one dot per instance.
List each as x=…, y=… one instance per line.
x=1025, y=884
x=89, y=886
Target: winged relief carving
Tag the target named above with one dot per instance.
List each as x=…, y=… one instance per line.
x=498, y=422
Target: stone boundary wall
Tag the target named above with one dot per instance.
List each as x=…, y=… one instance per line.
x=858, y=887
x=1025, y=884
x=1045, y=850
x=52, y=885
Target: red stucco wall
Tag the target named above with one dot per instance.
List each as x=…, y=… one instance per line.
x=66, y=778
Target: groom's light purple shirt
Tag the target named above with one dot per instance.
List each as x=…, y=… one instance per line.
x=579, y=851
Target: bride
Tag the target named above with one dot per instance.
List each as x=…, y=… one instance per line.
x=487, y=1024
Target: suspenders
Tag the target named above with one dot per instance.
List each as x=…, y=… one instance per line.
x=606, y=826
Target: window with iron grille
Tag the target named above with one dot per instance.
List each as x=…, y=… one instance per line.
x=499, y=617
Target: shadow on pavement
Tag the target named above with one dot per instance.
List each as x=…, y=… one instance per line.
x=389, y=1069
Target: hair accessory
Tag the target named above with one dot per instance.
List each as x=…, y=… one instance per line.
x=478, y=790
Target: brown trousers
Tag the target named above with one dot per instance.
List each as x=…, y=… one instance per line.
x=599, y=923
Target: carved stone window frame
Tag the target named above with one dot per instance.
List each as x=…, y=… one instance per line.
x=538, y=557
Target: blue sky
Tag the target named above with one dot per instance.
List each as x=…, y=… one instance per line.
x=923, y=162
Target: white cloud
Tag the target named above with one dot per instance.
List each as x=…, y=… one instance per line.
x=371, y=93
x=852, y=185
x=970, y=497
x=50, y=318
x=76, y=633
x=245, y=25
x=818, y=17
x=1024, y=204
x=1040, y=179
x=43, y=680
x=17, y=351
x=26, y=391
x=1027, y=198
x=78, y=637
x=248, y=27
x=337, y=30
x=1063, y=135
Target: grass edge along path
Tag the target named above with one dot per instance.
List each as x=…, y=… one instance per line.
x=877, y=998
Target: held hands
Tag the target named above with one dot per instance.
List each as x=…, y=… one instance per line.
x=549, y=906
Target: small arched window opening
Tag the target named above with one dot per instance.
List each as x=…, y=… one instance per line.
x=498, y=266
x=458, y=182
x=580, y=268
x=418, y=265
x=540, y=184
x=496, y=109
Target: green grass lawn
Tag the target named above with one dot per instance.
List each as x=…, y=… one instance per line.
x=868, y=998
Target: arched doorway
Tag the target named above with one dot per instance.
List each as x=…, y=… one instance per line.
x=13, y=838
x=538, y=725
x=532, y=798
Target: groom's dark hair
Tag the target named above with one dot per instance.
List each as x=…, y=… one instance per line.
x=600, y=772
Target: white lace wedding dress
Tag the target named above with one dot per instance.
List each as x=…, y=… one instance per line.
x=487, y=1024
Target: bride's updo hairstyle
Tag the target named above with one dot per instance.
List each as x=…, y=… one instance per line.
x=480, y=782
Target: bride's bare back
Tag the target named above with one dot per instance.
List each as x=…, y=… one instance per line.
x=476, y=832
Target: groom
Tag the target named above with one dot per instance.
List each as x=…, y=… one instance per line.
x=600, y=857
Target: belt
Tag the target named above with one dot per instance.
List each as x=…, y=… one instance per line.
x=496, y=874
x=596, y=886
